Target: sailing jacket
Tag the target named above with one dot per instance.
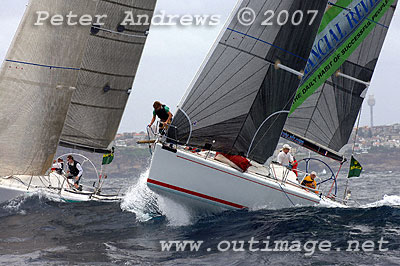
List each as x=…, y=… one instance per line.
x=308, y=182
x=162, y=113
x=75, y=169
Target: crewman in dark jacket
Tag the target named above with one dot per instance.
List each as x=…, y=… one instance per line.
x=162, y=112
x=75, y=171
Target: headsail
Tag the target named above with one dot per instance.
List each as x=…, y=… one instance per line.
x=107, y=72
x=340, y=66
x=238, y=88
x=41, y=65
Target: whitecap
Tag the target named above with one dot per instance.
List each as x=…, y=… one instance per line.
x=388, y=200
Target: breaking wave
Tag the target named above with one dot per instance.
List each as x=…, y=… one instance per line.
x=141, y=200
x=388, y=200
x=148, y=205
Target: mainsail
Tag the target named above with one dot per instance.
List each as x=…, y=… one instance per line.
x=238, y=100
x=41, y=66
x=339, y=69
x=109, y=66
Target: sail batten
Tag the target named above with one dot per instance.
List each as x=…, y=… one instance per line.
x=238, y=87
x=108, y=73
x=78, y=146
x=40, y=65
x=98, y=107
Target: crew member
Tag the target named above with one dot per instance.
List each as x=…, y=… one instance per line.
x=162, y=112
x=295, y=164
x=75, y=171
x=284, y=157
x=58, y=166
x=309, y=181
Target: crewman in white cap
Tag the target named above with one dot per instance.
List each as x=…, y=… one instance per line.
x=284, y=157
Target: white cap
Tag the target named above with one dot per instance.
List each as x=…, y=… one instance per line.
x=286, y=146
x=314, y=173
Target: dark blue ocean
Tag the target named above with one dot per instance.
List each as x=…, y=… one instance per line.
x=37, y=231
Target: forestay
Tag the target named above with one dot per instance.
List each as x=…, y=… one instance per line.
x=341, y=65
x=238, y=87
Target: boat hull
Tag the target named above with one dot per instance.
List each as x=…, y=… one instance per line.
x=53, y=187
x=7, y=194
x=187, y=175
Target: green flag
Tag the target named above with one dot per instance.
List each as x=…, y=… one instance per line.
x=355, y=168
x=108, y=158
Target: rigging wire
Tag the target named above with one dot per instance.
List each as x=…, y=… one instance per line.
x=352, y=151
x=286, y=194
x=282, y=187
x=336, y=177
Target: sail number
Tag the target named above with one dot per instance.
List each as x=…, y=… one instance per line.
x=283, y=17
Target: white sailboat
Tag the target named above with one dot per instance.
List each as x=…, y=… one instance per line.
x=239, y=103
x=65, y=85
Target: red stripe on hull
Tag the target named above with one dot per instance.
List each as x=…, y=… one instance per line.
x=193, y=193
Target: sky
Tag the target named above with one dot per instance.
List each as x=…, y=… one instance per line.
x=173, y=55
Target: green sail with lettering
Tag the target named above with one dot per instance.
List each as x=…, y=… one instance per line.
x=366, y=13
x=350, y=40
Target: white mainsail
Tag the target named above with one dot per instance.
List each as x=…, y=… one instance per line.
x=32, y=109
x=45, y=62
